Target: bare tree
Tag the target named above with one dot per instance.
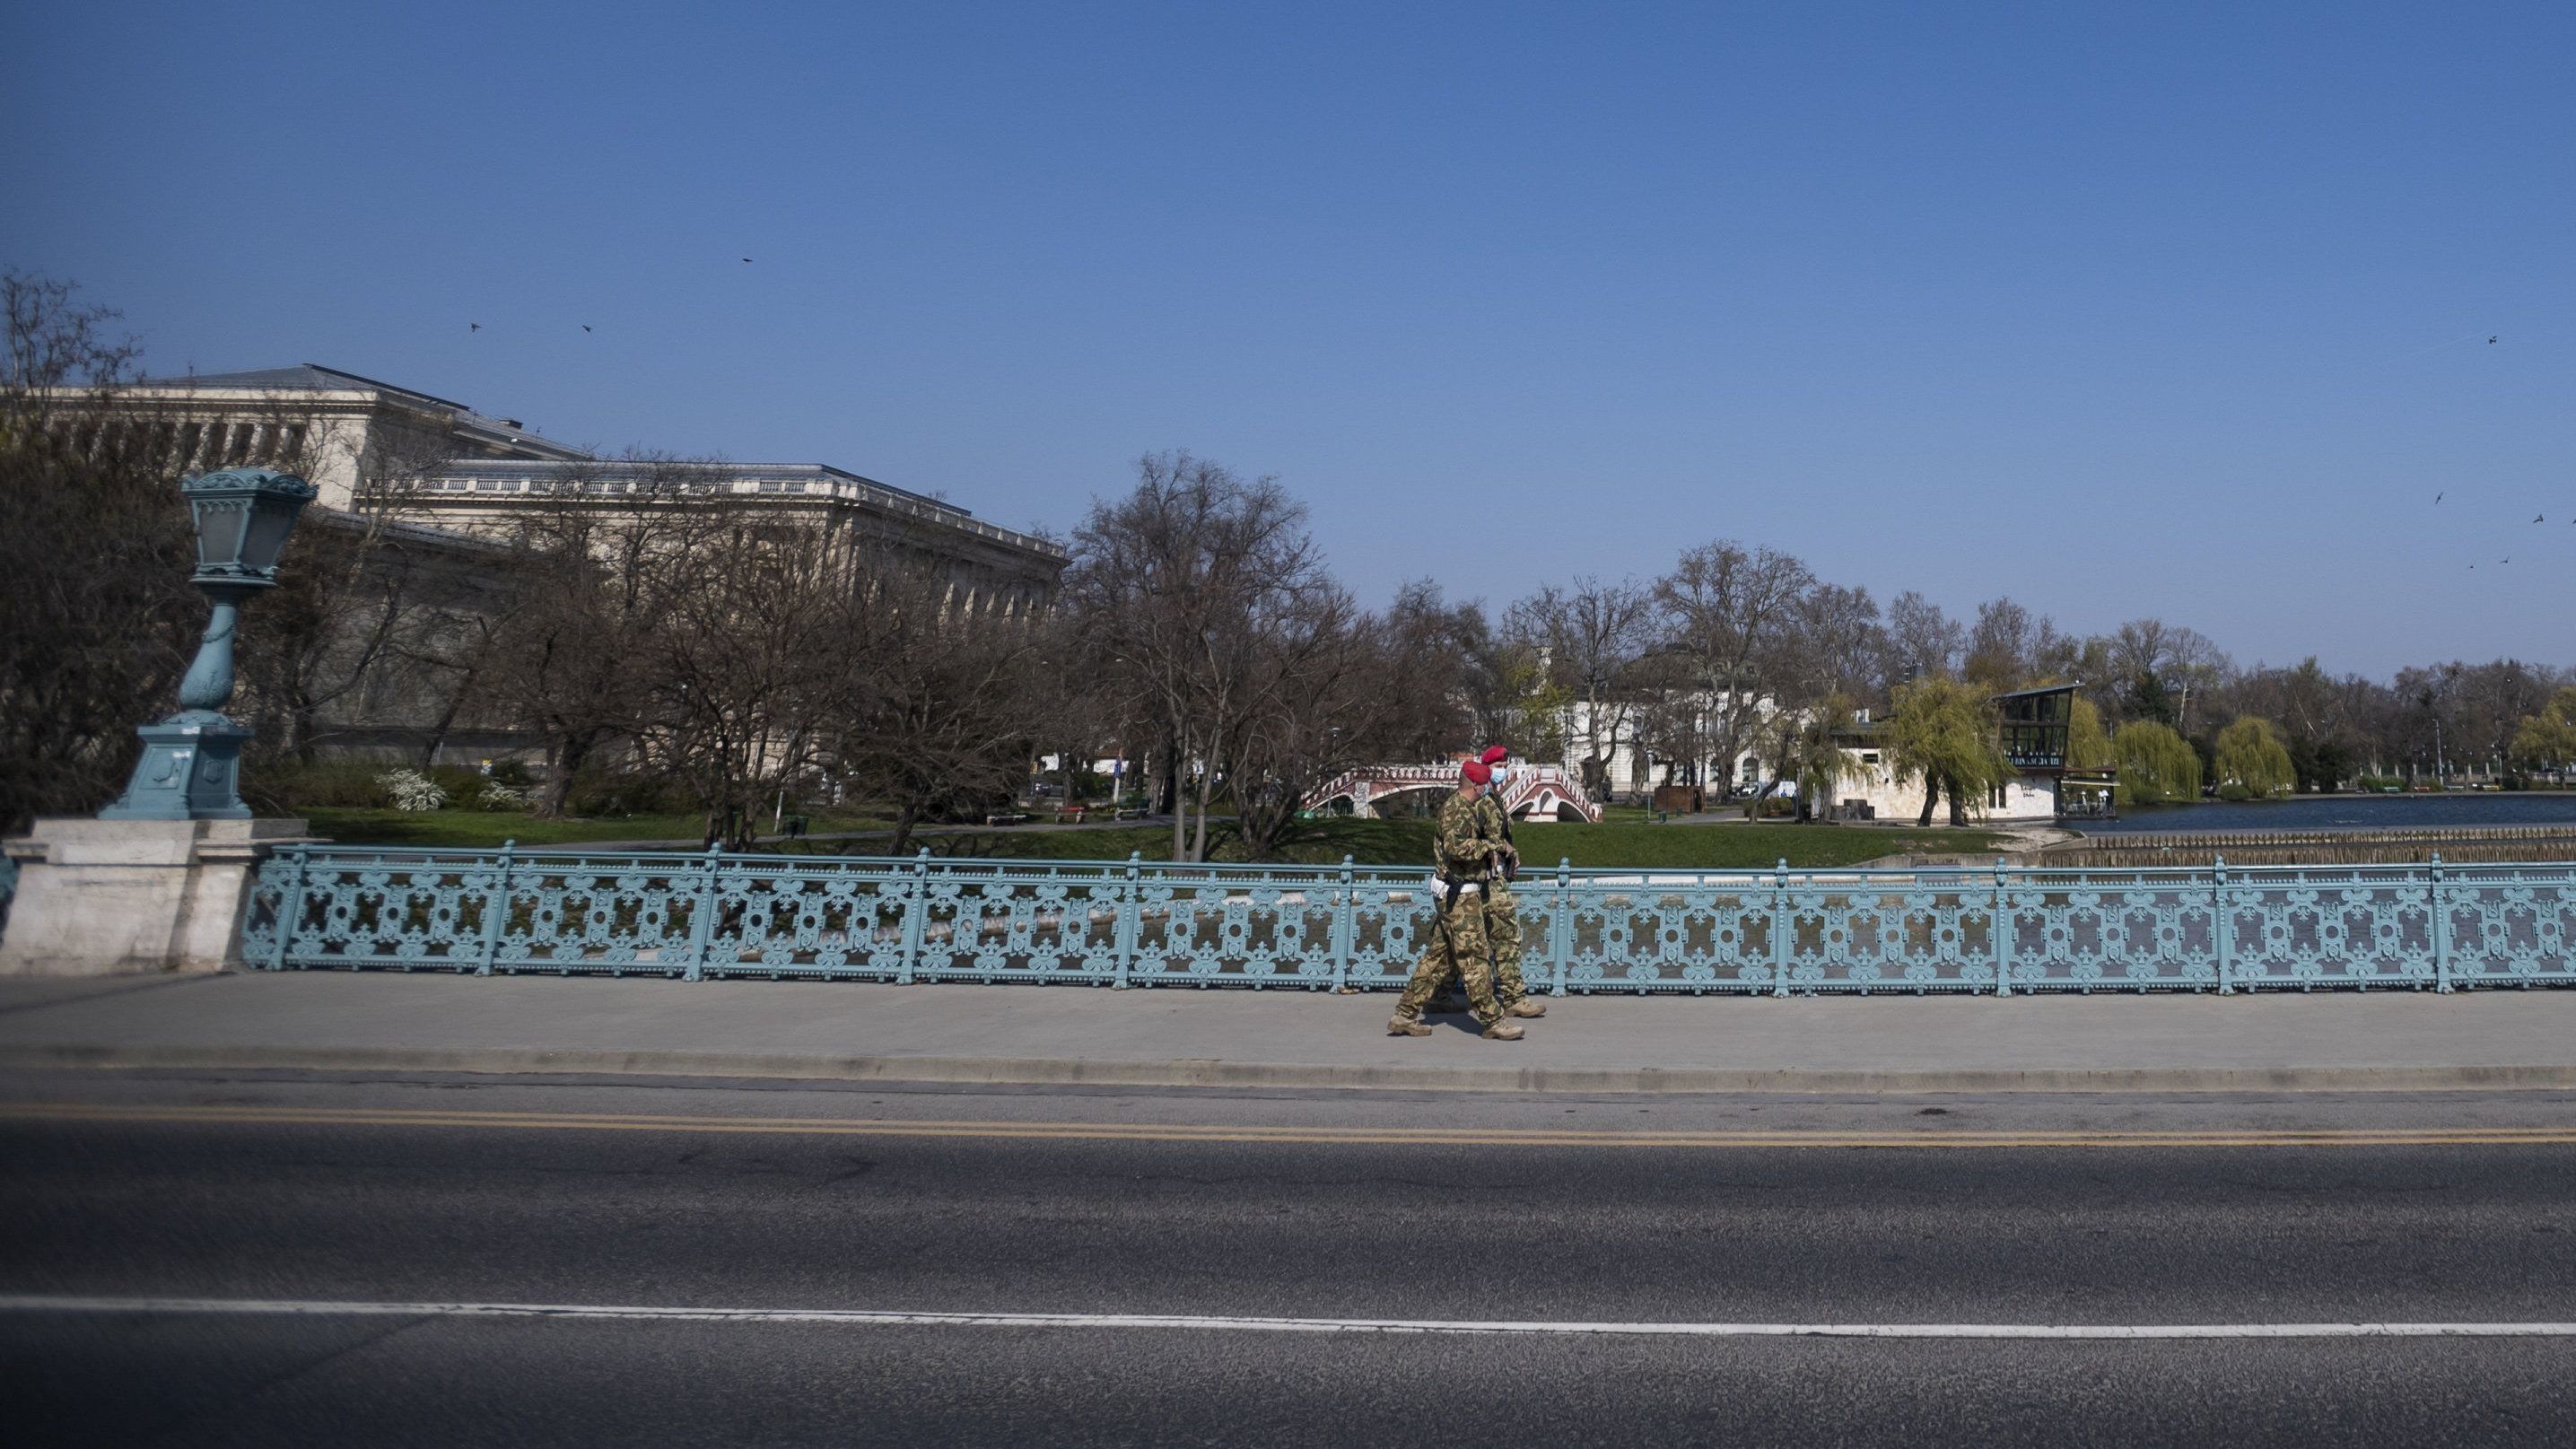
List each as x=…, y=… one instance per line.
x=97, y=618
x=752, y=668
x=1594, y=634
x=574, y=657
x=1922, y=642
x=1834, y=647
x=1725, y=607
x=2011, y=646
x=947, y=701
x=1426, y=648
x=1181, y=580
x=1317, y=679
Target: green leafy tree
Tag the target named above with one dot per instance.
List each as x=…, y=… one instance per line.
x=2252, y=758
x=1945, y=732
x=1532, y=706
x=2548, y=739
x=2156, y=765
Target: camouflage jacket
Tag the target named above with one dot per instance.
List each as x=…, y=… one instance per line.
x=1460, y=848
x=1493, y=819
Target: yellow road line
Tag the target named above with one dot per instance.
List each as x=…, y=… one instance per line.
x=1926, y=1137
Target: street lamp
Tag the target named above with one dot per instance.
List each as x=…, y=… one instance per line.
x=191, y=765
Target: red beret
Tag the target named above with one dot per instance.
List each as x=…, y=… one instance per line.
x=1474, y=772
x=1495, y=755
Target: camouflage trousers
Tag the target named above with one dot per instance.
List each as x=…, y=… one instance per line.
x=1457, y=949
x=1502, y=922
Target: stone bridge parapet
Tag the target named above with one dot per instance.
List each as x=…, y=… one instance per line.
x=1536, y=792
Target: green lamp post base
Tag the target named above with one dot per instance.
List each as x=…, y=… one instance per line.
x=190, y=770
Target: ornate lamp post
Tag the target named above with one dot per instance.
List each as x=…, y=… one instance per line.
x=191, y=765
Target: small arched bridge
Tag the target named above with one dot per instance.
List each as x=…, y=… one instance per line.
x=1530, y=792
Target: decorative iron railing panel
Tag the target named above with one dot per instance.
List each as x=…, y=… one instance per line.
x=1134, y=923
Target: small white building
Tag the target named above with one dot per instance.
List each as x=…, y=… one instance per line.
x=1873, y=792
x=2034, y=726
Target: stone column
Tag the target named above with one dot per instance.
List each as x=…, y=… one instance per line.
x=97, y=897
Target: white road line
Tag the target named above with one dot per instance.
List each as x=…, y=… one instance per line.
x=51, y=1303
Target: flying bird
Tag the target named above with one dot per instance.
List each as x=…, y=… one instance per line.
x=2536, y=518
x=2439, y=496
x=585, y=327
x=2490, y=342
x=746, y=261
x=473, y=326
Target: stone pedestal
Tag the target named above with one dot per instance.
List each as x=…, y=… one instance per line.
x=102, y=896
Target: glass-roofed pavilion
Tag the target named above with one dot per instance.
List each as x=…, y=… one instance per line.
x=2037, y=724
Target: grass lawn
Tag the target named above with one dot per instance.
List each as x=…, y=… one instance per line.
x=1408, y=842
x=490, y=827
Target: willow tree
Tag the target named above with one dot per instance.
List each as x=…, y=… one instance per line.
x=1946, y=733
x=2156, y=765
x=2088, y=745
x=2252, y=759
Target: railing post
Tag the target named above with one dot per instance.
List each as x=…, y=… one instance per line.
x=290, y=908
x=1780, y=927
x=2225, y=926
x=2441, y=930
x=702, y=917
x=2003, y=928
x=1560, y=928
x=1127, y=914
x=496, y=909
x=916, y=907
x=1342, y=929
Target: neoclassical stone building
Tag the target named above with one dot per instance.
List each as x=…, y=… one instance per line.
x=432, y=490
x=342, y=432
x=989, y=569
x=442, y=464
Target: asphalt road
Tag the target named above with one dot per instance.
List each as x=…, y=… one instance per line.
x=2032, y=1212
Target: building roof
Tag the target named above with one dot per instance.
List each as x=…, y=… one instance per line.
x=811, y=480
x=302, y=377
x=2043, y=689
x=314, y=377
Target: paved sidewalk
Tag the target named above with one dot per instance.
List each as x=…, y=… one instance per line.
x=1166, y=1037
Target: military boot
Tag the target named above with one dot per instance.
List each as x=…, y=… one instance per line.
x=1504, y=1030
x=1528, y=1010
x=1403, y=1025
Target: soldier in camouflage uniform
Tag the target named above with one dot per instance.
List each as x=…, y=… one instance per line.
x=1466, y=860
x=1502, y=912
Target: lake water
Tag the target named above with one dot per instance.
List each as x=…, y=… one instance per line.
x=2346, y=812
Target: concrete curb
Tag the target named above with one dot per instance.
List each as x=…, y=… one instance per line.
x=1212, y=1072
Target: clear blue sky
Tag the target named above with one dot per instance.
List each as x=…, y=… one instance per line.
x=2123, y=310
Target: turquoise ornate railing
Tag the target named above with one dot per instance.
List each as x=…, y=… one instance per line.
x=1998, y=929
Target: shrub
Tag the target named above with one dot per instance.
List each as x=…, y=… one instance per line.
x=2232, y=791
x=412, y=790
x=499, y=797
